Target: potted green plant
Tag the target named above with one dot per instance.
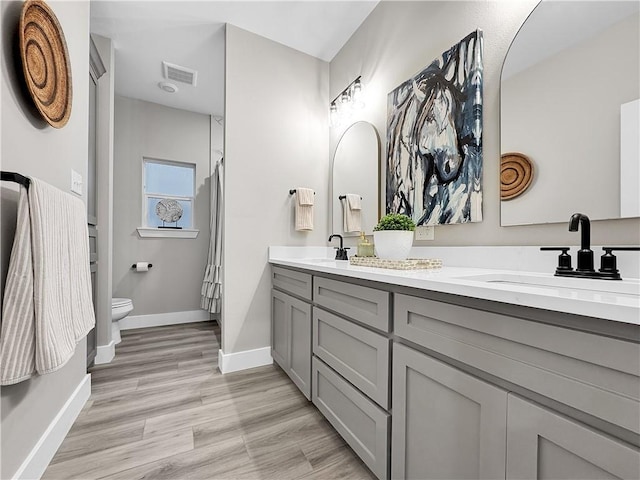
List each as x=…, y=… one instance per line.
x=393, y=236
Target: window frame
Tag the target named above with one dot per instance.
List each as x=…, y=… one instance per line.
x=146, y=195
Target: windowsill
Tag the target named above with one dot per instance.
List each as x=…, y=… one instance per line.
x=145, y=232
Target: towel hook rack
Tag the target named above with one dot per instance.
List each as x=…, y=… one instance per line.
x=342, y=197
x=16, y=178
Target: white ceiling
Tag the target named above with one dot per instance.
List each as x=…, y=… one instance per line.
x=191, y=34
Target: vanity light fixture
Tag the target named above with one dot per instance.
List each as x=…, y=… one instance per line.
x=343, y=105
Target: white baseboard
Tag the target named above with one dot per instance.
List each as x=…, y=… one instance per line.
x=161, y=319
x=233, y=362
x=105, y=353
x=38, y=459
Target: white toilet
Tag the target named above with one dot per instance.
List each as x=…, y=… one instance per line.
x=120, y=308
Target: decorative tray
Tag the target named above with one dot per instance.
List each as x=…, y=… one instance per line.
x=408, y=264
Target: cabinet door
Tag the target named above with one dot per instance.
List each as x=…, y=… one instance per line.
x=299, y=318
x=543, y=444
x=291, y=338
x=279, y=334
x=446, y=424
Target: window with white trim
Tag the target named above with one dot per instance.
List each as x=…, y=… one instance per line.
x=167, y=180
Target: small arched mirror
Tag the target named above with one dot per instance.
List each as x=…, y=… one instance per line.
x=570, y=92
x=356, y=171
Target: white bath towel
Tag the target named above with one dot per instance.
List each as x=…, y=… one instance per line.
x=47, y=306
x=352, y=213
x=304, y=209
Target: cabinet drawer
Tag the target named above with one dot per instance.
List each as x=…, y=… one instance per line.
x=543, y=444
x=359, y=355
x=592, y=373
x=363, y=425
x=366, y=305
x=296, y=283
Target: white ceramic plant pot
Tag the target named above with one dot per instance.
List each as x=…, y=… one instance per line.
x=393, y=244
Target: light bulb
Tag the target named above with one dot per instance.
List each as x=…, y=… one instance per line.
x=333, y=115
x=358, y=102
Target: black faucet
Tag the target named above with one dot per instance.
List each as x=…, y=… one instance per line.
x=341, y=252
x=608, y=268
x=585, y=254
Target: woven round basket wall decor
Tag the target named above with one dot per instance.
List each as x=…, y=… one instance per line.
x=516, y=173
x=45, y=61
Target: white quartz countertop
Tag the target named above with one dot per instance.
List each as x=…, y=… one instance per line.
x=606, y=299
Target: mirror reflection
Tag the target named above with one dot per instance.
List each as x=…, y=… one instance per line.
x=569, y=102
x=356, y=176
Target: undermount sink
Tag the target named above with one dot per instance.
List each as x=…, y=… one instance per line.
x=618, y=287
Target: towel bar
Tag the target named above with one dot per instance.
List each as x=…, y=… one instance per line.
x=293, y=190
x=342, y=197
x=15, y=177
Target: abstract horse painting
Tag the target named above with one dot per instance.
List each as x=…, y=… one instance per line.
x=434, y=139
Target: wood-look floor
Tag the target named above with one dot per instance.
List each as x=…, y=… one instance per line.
x=162, y=410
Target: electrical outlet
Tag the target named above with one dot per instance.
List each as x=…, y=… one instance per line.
x=76, y=182
x=425, y=232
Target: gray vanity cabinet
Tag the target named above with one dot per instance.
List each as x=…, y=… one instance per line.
x=291, y=326
x=423, y=385
x=446, y=423
x=544, y=444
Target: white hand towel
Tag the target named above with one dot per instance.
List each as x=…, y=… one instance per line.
x=354, y=201
x=47, y=306
x=304, y=209
x=305, y=196
x=351, y=213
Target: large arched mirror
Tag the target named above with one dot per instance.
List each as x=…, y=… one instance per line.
x=356, y=171
x=570, y=92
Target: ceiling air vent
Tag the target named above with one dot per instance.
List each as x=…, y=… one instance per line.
x=179, y=74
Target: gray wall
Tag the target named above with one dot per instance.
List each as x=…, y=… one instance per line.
x=276, y=135
x=397, y=40
x=144, y=129
x=31, y=147
x=577, y=167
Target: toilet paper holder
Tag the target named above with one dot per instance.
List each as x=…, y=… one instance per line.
x=135, y=265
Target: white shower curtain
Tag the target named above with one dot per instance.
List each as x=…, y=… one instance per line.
x=212, y=284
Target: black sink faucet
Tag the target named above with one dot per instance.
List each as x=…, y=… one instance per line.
x=585, y=254
x=341, y=252
x=608, y=266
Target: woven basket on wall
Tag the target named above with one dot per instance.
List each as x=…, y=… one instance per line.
x=45, y=61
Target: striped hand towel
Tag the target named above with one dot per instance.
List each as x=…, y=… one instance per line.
x=47, y=306
x=304, y=209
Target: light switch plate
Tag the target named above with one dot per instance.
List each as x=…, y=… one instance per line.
x=425, y=232
x=76, y=182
